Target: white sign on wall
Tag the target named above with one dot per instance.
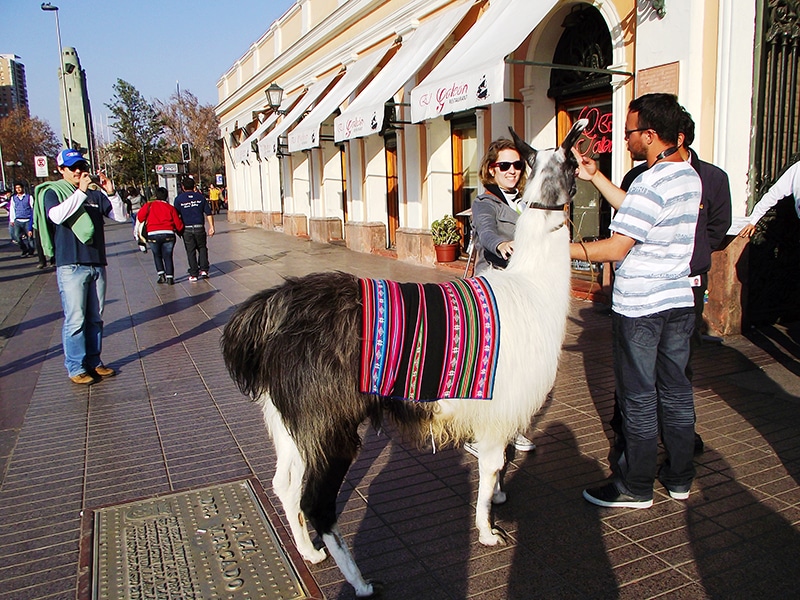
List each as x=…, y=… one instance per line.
x=40, y=163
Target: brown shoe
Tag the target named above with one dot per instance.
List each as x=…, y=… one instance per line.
x=83, y=379
x=103, y=372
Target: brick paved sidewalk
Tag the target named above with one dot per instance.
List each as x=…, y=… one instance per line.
x=173, y=420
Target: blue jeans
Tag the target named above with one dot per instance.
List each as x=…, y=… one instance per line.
x=650, y=358
x=26, y=244
x=83, y=296
x=161, y=245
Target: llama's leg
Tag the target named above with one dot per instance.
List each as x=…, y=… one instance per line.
x=490, y=462
x=347, y=565
x=319, y=504
x=288, y=482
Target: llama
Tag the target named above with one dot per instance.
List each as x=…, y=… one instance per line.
x=296, y=350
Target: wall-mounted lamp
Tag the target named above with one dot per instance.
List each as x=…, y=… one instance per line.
x=274, y=97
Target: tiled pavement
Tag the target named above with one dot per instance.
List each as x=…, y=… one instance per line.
x=172, y=420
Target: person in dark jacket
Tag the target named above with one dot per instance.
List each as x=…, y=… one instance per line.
x=494, y=220
x=195, y=211
x=496, y=210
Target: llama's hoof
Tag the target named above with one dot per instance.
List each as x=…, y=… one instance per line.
x=496, y=536
x=375, y=590
x=316, y=556
x=499, y=497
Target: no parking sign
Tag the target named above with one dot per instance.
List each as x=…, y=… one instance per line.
x=40, y=162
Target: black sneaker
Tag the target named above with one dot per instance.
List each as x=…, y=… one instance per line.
x=609, y=496
x=161, y=278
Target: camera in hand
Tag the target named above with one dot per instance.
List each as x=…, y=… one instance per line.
x=95, y=185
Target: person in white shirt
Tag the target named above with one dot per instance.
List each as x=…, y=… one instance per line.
x=788, y=184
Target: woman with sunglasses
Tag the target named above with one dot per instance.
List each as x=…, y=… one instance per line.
x=494, y=220
x=495, y=212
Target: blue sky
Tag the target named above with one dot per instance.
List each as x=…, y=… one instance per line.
x=150, y=44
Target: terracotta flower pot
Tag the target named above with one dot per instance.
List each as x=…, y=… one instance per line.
x=447, y=252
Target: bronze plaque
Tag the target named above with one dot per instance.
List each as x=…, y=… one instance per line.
x=215, y=542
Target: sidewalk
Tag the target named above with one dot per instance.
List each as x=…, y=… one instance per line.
x=173, y=420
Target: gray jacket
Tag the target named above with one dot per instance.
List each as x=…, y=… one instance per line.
x=493, y=221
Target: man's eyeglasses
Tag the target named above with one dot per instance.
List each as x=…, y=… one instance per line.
x=506, y=165
x=628, y=132
x=81, y=166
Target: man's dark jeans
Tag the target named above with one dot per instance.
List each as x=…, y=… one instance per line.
x=194, y=240
x=650, y=358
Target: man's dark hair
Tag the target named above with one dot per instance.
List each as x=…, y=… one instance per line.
x=161, y=193
x=187, y=183
x=660, y=112
x=687, y=128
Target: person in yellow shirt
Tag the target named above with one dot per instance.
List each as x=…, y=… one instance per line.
x=214, y=195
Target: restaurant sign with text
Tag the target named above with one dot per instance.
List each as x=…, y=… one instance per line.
x=457, y=93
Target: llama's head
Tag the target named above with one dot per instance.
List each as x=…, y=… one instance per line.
x=551, y=183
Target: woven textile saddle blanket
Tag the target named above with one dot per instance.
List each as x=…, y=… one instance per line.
x=426, y=341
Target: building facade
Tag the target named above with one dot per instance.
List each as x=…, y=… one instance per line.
x=13, y=88
x=388, y=105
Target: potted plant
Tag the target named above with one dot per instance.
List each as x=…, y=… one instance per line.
x=446, y=238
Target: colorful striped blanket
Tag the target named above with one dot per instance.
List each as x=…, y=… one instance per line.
x=429, y=341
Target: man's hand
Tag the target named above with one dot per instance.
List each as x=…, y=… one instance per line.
x=587, y=167
x=84, y=182
x=747, y=231
x=106, y=183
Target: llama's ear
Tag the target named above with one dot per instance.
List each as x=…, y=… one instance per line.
x=574, y=134
x=525, y=150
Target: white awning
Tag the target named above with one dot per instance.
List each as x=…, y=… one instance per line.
x=268, y=145
x=242, y=152
x=364, y=115
x=473, y=72
x=306, y=134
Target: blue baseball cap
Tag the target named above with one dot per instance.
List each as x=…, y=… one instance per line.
x=69, y=157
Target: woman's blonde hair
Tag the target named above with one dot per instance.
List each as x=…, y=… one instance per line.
x=492, y=152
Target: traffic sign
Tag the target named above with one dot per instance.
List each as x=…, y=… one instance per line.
x=40, y=163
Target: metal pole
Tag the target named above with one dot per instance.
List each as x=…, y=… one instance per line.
x=46, y=6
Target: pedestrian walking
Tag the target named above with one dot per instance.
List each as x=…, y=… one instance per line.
x=21, y=217
x=195, y=212
x=163, y=223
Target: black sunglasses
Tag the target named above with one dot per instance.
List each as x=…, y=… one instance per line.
x=506, y=165
x=80, y=166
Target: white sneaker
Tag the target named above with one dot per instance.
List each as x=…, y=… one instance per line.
x=523, y=444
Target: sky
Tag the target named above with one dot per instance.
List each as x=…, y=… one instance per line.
x=153, y=45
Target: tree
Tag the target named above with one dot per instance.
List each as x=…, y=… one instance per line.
x=23, y=137
x=139, y=143
x=186, y=120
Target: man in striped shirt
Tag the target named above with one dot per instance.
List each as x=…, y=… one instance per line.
x=652, y=304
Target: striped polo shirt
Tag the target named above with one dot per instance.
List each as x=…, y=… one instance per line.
x=660, y=213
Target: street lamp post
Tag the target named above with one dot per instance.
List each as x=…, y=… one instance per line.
x=46, y=6
x=13, y=164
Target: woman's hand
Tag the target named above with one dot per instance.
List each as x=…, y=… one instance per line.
x=505, y=249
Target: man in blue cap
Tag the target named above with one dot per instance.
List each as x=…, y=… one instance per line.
x=76, y=211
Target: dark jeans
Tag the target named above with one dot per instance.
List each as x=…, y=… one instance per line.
x=161, y=245
x=194, y=240
x=654, y=394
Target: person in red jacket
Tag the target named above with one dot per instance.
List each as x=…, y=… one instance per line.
x=162, y=223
